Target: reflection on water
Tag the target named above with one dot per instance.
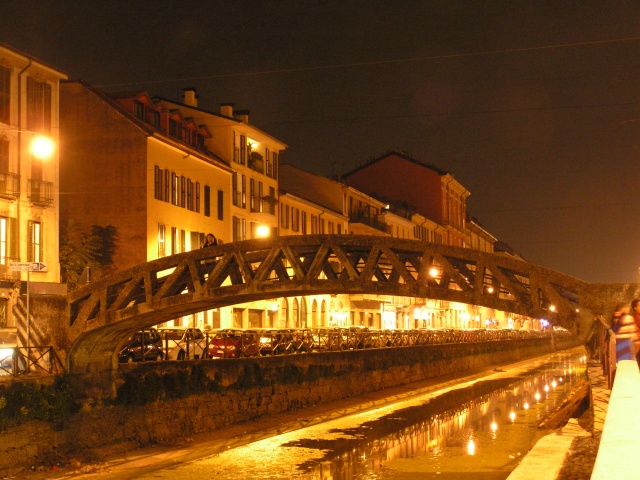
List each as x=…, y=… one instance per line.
x=477, y=430
x=482, y=429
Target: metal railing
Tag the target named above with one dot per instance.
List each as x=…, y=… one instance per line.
x=32, y=360
x=237, y=343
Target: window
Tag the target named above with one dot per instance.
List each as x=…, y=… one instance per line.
x=167, y=185
x=314, y=224
x=243, y=150
x=183, y=191
x=4, y=156
x=38, y=106
x=267, y=157
x=284, y=216
x=197, y=197
x=5, y=94
x=272, y=200
x=295, y=219
x=34, y=248
x=161, y=241
x=183, y=241
x=330, y=227
x=220, y=205
x=239, y=229
x=235, y=195
x=174, y=240
x=303, y=222
x=157, y=191
x=138, y=109
x=252, y=194
x=244, y=191
x=260, y=198
x=4, y=240
x=207, y=201
x=174, y=189
x=274, y=166
x=154, y=118
x=173, y=128
x=190, y=205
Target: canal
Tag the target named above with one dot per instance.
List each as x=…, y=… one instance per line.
x=478, y=429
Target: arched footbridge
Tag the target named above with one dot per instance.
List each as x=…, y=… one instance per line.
x=103, y=313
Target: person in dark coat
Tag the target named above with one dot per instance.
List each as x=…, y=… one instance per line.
x=210, y=241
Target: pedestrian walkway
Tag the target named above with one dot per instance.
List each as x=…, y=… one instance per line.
x=569, y=453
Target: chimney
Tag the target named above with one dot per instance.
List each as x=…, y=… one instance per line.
x=190, y=97
x=226, y=110
x=242, y=115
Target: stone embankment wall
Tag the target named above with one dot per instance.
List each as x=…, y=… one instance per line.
x=249, y=388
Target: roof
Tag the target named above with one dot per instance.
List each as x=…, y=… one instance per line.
x=399, y=154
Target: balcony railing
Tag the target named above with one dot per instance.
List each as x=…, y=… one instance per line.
x=371, y=220
x=40, y=192
x=9, y=185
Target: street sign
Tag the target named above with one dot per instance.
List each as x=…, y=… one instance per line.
x=27, y=267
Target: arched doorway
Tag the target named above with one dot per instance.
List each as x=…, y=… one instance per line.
x=295, y=318
x=284, y=321
x=303, y=313
x=314, y=313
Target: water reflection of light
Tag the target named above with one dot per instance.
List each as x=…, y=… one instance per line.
x=554, y=384
x=494, y=426
x=537, y=395
x=512, y=416
x=526, y=405
x=471, y=447
x=546, y=388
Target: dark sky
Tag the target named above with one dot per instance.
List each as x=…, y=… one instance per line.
x=532, y=105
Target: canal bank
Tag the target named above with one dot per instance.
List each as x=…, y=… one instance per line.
x=121, y=463
x=160, y=403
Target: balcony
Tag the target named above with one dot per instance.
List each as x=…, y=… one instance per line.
x=40, y=193
x=256, y=162
x=9, y=185
x=374, y=221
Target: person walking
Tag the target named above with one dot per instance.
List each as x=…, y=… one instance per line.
x=627, y=333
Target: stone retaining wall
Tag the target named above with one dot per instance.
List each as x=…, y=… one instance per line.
x=315, y=378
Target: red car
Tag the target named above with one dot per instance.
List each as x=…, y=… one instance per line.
x=233, y=343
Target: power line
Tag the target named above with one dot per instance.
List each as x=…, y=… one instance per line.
x=379, y=62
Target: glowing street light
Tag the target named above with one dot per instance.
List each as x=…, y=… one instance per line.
x=41, y=147
x=263, y=231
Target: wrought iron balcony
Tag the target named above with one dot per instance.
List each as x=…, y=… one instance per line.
x=9, y=185
x=40, y=192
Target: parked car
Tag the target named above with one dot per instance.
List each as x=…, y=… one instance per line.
x=141, y=346
x=8, y=344
x=233, y=343
x=183, y=343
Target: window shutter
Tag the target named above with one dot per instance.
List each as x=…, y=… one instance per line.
x=29, y=241
x=12, y=250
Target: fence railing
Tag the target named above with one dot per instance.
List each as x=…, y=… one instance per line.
x=32, y=360
x=236, y=343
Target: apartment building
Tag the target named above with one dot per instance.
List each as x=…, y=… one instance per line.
x=254, y=156
x=405, y=182
x=143, y=167
x=29, y=182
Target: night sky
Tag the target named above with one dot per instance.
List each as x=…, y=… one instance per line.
x=532, y=105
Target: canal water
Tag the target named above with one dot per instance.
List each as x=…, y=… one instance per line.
x=475, y=430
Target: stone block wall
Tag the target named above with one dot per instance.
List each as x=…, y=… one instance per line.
x=315, y=378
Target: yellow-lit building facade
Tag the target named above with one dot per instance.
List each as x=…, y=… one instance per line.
x=29, y=182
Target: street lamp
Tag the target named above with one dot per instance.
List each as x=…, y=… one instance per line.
x=41, y=147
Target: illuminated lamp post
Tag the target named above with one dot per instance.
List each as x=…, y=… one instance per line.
x=41, y=148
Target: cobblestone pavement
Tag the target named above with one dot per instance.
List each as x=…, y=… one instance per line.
x=578, y=465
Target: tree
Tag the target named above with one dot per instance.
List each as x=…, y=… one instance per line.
x=79, y=250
